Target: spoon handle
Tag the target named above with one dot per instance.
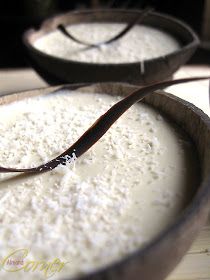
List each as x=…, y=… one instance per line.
x=100, y=127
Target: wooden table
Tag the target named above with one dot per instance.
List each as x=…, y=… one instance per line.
x=196, y=263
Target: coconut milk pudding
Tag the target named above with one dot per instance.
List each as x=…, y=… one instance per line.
x=132, y=184
x=139, y=44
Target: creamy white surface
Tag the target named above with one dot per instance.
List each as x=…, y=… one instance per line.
x=130, y=186
x=139, y=44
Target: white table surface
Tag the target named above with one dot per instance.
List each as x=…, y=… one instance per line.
x=13, y=80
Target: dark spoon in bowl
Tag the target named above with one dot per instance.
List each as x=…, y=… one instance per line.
x=128, y=27
x=100, y=127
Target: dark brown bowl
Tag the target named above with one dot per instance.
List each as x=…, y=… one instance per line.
x=157, y=259
x=57, y=70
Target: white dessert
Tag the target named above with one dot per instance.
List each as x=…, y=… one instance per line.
x=124, y=191
x=140, y=43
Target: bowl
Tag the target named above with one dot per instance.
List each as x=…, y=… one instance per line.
x=157, y=259
x=56, y=70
